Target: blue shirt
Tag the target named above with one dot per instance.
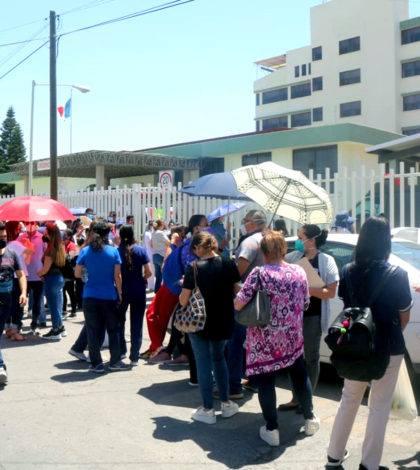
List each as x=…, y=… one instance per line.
x=132, y=279
x=174, y=267
x=100, y=266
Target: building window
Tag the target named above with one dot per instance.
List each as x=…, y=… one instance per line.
x=303, y=69
x=297, y=71
x=257, y=99
x=256, y=158
x=349, y=77
x=317, y=84
x=349, y=45
x=353, y=108
x=317, y=114
x=411, y=102
x=316, y=53
x=257, y=126
x=410, y=69
x=301, y=119
x=410, y=35
x=316, y=159
x=274, y=95
x=309, y=69
x=274, y=123
x=412, y=131
x=297, y=91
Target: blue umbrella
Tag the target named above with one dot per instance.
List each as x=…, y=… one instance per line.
x=78, y=210
x=226, y=209
x=220, y=185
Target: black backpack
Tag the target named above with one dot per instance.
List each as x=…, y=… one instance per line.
x=352, y=338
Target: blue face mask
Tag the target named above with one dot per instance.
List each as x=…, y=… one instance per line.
x=299, y=246
x=90, y=216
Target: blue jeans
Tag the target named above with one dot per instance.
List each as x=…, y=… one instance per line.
x=53, y=286
x=101, y=314
x=235, y=357
x=5, y=309
x=210, y=356
x=137, y=305
x=158, y=261
x=36, y=287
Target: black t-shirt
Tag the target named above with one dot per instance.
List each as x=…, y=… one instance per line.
x=395, y=297
x=314, y=302
x=216, y=277
x=9, y=263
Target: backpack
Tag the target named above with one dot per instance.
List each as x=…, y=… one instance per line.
x=352, y=338
x=68, y=269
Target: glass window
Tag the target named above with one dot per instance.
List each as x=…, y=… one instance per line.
x=317, y=53
x=408, y=251
x=297, y=91
x=297, y=71
x=301, y=119
x=413, y=131
x=257, y=99
x=274, y=95
x=410, y=69
x=353, y=108
x=410, y=35
x=317, y=114
x=317, y=84
x=342, y=253
x=349, y=45
x=257, y=126
x=256, y=158
x=274, y=123
x=316, y=159
x=303, y=69
x=411, y=102
x=350, y=76
x=309, y=69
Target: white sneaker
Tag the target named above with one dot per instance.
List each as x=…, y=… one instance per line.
x=80, y=355
x=203, y=416
x=272, y=438
x=3, y=376
x=134, y=363
x=312, y=426
x=229, y=409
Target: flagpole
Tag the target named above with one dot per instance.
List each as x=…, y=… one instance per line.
x=71, y=120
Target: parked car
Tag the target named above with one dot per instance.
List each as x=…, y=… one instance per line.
x=405, y=254
x=411, y=234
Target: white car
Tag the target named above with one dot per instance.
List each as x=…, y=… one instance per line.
x=411, y=234
x=405, y=254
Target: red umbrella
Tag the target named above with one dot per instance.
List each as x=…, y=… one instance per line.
x=34, y=208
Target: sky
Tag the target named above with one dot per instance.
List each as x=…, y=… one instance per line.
x=180, y=74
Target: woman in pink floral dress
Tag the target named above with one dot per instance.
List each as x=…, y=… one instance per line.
x=278, y=345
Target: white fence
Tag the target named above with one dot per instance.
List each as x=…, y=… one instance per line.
x=363, y=193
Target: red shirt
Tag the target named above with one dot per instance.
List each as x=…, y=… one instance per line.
x=70, y=247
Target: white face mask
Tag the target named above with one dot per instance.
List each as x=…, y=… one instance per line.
x=243, y=229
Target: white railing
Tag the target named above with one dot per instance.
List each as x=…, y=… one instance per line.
x=363, y=192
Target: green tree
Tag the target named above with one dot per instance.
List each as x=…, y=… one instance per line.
x=12, y=148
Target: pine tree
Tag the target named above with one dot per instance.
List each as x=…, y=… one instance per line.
x=12, y=149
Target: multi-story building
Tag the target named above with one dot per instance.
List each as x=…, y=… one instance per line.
x=363, y=66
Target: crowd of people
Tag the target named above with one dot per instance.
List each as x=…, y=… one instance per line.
x=98, y=264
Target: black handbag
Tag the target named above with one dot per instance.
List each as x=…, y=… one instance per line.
x=257, y=312
x=352, y=338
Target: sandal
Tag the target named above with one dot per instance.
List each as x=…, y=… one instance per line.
x=10, y=332
x=18, y=337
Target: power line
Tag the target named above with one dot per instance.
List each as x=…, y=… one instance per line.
x=23, y=60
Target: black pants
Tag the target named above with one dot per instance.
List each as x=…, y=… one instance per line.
x=101, y=314
x=267, y=392
x=37, y=288
x=79, y=292
x=69, y=288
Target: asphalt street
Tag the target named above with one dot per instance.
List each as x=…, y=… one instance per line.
x=55, y=414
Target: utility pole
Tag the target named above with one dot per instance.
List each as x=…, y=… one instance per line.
x=53, y=108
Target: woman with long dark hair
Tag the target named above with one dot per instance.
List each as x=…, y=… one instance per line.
x=316, y=318
x=135, y=270
x=101, y=294
x=391, y=312
x=53, y=260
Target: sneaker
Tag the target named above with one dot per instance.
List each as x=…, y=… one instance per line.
x=99, y=369
x=208, y=417
x=178, y=361
x=35, y=331
x=118, y=366
x=3, y=375
x=232, y=396
x=192, y=384
x=229, y=409
x=80, y=355
x=72, y=314
x=272, y=438
x=43, y=324
x=312, y=426
x=337, y=462
x=134, y=363
x=123, y=356
x=162, y=357
x=64, y=315
x=53, y=335
x=247, y=385
x=62, y=331
x=147, y=354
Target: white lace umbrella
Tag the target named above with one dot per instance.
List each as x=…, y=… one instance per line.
x=284, y=192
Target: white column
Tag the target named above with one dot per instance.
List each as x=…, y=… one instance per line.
x=100, y=177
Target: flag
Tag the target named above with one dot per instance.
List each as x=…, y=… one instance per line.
x=60, y=110
x=67, y=109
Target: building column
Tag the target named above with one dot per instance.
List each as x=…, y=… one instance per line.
x=26, y=184
x=101, y=180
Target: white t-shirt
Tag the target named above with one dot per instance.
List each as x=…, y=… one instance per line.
x=159, y=242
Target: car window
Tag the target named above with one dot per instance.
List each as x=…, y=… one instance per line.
x=342, y=253
x=407, y=251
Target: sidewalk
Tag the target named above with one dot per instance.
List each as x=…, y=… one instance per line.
x=57, y=415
